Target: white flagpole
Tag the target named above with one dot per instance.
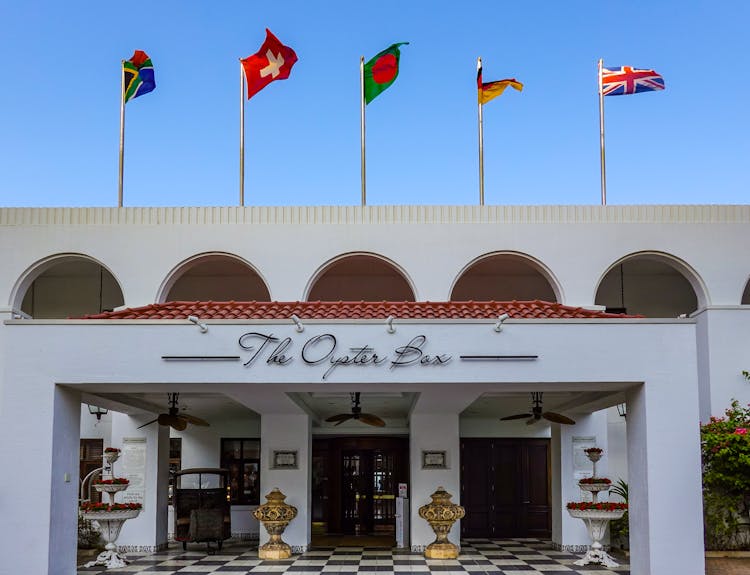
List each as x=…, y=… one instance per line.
x=362, y=127
x=242, y=135
x=601, y=137
x=122, y=133
x=481, y=142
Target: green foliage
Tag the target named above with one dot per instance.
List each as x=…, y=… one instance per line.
x=725, y=449
x=619, y=529
x=88, y=536
x=725, y=443
x=722, y=528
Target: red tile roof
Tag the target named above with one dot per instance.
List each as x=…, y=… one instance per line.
x=355, y=310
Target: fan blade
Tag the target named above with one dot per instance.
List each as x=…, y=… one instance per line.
x=340, y=417
x=149, y=423
x=194, y=420
x=345, y=419
x=557, y=418
x=167, y=419
x=371, y=419
x=179, y=424
x=518, y=416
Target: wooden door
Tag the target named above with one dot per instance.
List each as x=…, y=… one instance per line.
x=505, y=488
x=355, y=483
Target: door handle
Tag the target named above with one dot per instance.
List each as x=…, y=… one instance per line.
x=526, y=502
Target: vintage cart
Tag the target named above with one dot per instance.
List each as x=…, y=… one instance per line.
x=201, y=506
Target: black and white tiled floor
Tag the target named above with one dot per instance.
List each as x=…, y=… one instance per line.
x=478, y=557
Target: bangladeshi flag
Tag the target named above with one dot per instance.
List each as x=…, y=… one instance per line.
x=381, y=71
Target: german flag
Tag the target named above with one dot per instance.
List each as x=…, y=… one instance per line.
x=489, y=90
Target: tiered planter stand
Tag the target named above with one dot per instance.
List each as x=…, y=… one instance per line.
x=596, y=520
x=110, y=522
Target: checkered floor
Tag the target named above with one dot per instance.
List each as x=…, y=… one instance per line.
x=478, y=557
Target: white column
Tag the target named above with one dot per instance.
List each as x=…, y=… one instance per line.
x=433, y=432
x=288, y=432
x=568, y=533
x=147, y=532
x=39, y=486
x=664, y=469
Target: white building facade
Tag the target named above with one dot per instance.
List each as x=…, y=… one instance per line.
x=440, y=375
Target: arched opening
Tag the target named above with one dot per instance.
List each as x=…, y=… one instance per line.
x=215, y=277
x=360, y=277
x=505, y=277
x=652, y=285
x=746, y=294
x=70, y=286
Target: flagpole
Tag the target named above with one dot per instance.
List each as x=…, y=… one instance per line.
x=481, y=142
x=122, y=133
x=242, y=135
x=601, y=137
x=362, y=126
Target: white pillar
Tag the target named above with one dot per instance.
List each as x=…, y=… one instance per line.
x=568, y=533
x=664, y=470
x=39, y=487
x=148, y=531
x=433, y=432
x=288, y=432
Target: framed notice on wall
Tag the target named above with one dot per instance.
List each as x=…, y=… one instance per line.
x=132, y=466
x=581, y=464
x=284, y=460
x=434, y=460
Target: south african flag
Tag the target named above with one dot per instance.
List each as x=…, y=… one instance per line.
x=138, y=75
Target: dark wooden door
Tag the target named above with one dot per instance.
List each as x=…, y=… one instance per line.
x=505, y=488
x=356, y=482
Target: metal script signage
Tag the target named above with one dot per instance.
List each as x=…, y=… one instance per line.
x=324, y=350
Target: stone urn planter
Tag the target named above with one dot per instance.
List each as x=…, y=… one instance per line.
x=110, y=523
x=441, y=514
x=275, y=515
x=596, y=521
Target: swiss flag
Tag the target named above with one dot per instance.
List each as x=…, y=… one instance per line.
x=273, y=61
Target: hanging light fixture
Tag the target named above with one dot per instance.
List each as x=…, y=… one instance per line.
x=622, y=409
x=98, y=411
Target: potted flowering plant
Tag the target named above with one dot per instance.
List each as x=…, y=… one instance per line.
x=597, y=506
x=112, y=485
x=113, y=481
x=591, y=480
x=92, y=507
x=111, y=454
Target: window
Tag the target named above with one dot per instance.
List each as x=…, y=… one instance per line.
x=242, y=458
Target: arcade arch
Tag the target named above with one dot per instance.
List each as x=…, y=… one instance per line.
x=360, y=277
x=67, y=285
x=651, y=284
x=214, y=277
x=505, y=276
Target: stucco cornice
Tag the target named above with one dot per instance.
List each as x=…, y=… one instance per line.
x=326, y=215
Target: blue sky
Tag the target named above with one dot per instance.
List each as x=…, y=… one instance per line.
x=59, y=106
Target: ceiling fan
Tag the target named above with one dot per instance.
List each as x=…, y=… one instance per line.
x=356, y=413
x=174, y=418
x=537, y=413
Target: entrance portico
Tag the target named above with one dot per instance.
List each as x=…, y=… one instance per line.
x=446, y=364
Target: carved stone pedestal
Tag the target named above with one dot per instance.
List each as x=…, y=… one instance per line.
x=275, y=515
x=441, y=514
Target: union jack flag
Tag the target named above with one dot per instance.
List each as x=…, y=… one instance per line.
x=622, y=80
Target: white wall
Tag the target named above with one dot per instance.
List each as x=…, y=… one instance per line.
x=284, y=432
x=433, y=432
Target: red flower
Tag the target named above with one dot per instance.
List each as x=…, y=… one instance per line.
x=113, y=481
x=591, y=480
x=599, y=506
x=740, y=431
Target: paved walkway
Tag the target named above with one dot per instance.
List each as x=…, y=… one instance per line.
x=478, y=557
x=726, y=566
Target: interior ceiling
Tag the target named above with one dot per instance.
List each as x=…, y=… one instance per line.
x=388, y=405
